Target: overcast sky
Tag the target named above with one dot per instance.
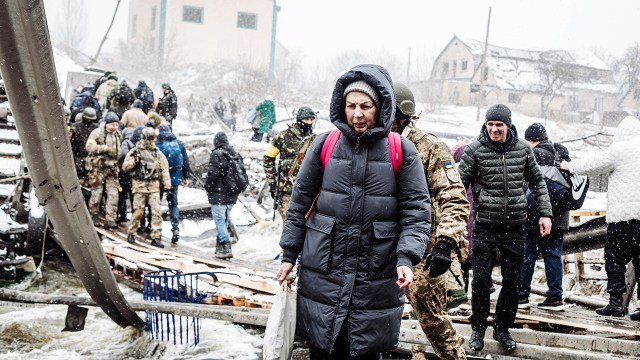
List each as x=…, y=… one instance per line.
x=317, y=30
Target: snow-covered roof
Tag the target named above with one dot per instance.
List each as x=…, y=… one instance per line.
x=518, y=69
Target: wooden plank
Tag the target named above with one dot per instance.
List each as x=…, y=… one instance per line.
x=187, y=266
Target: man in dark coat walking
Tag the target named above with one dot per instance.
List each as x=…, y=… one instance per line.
x=176, y=154
x=551, y=246
x=497, y=165
x=168, y=104
x=366, y=230
x=220, y=198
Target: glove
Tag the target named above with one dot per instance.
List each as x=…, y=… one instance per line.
x=439, y=259
x=272, y=190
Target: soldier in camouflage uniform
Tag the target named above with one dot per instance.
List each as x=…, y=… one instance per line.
x=103, y=146
x=289, y=144
x=450, y=210
x=149, y=170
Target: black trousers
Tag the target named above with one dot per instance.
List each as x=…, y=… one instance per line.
x=510, y=241
x=623, y=245
x=340, y=349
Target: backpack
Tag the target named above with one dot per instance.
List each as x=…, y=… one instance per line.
x=236, y=179
x=566, y=191
x=395, y=149
x=124, y=95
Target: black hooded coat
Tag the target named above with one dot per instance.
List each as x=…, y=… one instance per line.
x=366, y=222
x=217, y=170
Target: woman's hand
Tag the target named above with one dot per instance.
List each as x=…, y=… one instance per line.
x=405, y=277
x=283, y=273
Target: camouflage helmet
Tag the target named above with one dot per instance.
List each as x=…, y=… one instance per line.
x=148, y=133
x=89, y=113
x=305, y=112
x=404, y=99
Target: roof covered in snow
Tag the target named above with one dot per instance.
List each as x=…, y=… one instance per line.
x=518, y=69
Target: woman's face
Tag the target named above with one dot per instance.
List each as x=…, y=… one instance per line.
x=361, y=111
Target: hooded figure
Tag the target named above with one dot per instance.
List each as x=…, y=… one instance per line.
x=220, y=198
x=366, y=229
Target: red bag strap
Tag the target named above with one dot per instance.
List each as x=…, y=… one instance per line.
x=395, y=149
x=327, y=147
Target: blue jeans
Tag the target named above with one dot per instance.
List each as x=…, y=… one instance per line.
x=221, y=214
x=550, y=247
x=172, y=201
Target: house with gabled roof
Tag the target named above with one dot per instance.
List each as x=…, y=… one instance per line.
x=561, y=84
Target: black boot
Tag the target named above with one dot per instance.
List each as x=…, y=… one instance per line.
x=505, y=339
x=476, y=341
x=175, y=237
x=131, y=238
x=157, y=243
x=635, y=316
x=614, y=308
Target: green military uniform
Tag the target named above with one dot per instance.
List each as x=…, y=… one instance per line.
x=101, y=164
x=288, y=145
x=450, y=210
x=149, y=170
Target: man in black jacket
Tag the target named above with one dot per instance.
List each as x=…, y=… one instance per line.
x=220, y=197
x=548, y=156
x=497, y=165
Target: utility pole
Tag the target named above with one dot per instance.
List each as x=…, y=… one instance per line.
x=408, y=65
x=272, y=57
x=482, y=62
x=163, y=26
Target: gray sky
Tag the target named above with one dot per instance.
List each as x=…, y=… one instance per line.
x=317, y=30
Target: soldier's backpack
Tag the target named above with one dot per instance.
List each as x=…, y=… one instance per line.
x=236, y=179
x=124, y=95
x=395, y=149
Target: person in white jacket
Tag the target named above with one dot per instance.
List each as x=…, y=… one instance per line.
x=621, y=162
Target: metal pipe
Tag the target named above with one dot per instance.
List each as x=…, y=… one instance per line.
x=28, y=71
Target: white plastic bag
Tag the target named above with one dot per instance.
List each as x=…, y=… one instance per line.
x=281, y=326
x=248, y=118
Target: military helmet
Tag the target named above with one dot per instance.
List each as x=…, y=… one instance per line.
x=89, y=113
x=404, y=99
x=148, y=133
x=305, y=112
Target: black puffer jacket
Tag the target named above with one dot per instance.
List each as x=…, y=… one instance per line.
x=367, y=221
x=217, y=170
x=498, y=173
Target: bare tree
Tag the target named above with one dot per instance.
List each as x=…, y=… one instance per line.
x=113, y=18
x=71, y=27
x=628, y=68
x=555, y=73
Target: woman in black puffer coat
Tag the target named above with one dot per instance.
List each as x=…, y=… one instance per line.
x=368, y=227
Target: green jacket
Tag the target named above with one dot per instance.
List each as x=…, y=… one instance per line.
x=267, y=115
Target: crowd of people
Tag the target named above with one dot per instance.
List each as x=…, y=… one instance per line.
x=124, y=149
x=373, y=211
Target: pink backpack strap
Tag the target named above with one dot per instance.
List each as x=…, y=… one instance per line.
x=395, y=151
x=327, y=147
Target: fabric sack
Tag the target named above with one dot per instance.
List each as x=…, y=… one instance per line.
x=251, y=114
x=281, y=325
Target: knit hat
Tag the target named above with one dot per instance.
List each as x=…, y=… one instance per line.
x=364, y=87
x=137, y=103
x=499, y=112
x=535, y=132
x=111, y=117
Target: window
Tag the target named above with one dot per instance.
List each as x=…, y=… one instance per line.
x=445, y=69
x=485, y=73
x=515, y=98
x=153, y=18
x=636, y=94
x=573, y=102
x=455, y=68
x=463, y=65
x=247, y=21
x=192, y=14
x=134, y=22
x=152, y=45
